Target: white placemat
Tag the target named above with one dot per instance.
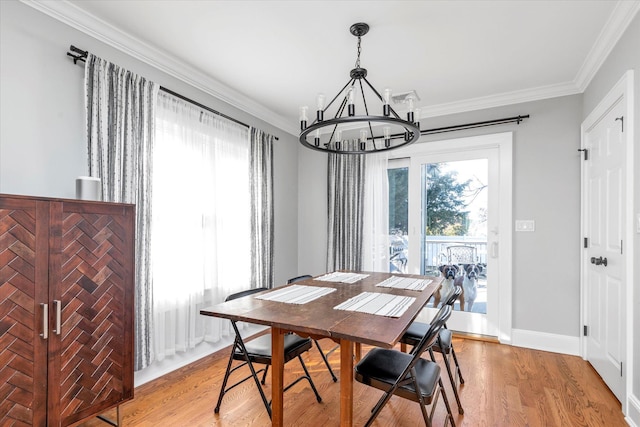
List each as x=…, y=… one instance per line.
x=341, y=277
x=409, y=283
x=375, y=303
x=296, y=294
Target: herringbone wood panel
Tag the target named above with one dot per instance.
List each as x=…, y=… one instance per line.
x=79, y=257
x=17, y=317
x=93, y=293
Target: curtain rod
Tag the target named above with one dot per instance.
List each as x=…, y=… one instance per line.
x=204, y=107
x=81, y=55
x=506, y=120
x=516, y=119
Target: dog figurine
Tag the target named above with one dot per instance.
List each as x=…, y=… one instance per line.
x=450, y=272
x=469, y=282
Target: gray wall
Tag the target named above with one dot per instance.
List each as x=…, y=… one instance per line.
x=625, y=56
x=546, y=166
x=42, y=137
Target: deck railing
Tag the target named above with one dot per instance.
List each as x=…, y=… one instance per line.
x=435, y=250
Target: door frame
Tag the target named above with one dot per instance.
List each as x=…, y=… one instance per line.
x=504, y=143
x=623, y=88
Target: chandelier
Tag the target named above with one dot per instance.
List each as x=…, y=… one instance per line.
x=340, y=130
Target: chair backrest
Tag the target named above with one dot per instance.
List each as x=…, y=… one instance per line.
x=453, y=296
x=431, y=336
x=462, y=254
x=245, y=293
x=299, y=278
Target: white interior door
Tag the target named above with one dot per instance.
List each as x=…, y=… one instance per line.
x=604, y=260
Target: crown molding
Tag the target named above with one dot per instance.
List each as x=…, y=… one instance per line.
x=616, y=25
x=75, y=17
x=68, y=13
x=501, y=99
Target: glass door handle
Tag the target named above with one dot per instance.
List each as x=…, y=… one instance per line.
x=494, y=250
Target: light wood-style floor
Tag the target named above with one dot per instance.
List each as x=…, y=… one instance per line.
x=505, y=386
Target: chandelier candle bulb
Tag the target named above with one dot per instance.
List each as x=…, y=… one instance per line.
x=320, y=101
x=363, y=140
x=316, y=139
x=303, y=118
x=410, y=112
x=386, y=109
x=416, y=117
x=351, y=99
x=387, y=136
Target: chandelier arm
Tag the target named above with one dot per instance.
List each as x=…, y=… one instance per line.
x=350, y=82
x=366, y=111
x=380, y=97
x=341, y=108
x=364, y=99
x=373, y=140
x=338, y=114
x=335, y=127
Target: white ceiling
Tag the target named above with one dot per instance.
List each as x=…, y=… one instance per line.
x=270, y=57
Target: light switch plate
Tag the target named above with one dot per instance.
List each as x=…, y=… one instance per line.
x=525, y=225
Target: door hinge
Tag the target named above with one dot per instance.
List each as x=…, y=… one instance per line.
x=586, y=242
x=621, y=118
x=586, y=153
x=620, y=368
x=585, y=330
x=620, y=247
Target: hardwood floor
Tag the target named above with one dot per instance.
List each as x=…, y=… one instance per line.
x=505, y=386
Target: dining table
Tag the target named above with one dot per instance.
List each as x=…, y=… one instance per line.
x=353, y=308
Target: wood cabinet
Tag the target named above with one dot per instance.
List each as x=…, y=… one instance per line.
x=66, y=309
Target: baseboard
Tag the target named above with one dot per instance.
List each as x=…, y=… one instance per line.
x=633, y=411
x=180, y=359
x=546, y=342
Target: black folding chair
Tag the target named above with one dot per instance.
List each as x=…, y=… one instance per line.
x=322, y=353
x=443, y=345
x=407, y=375
x=258, y=351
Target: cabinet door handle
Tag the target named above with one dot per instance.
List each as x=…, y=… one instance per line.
x=58, y=307
x=45, y=320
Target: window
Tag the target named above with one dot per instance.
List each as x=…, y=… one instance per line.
x=200, y=238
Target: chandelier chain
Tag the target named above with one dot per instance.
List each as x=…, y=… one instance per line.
x=359, y=51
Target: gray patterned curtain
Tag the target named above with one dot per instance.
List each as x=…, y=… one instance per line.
x=346, y=211
x=261, y=181
x=120, y=127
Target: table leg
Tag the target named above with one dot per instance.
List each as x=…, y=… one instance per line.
x=277, y=373
x=358, y=351
x=346, y=383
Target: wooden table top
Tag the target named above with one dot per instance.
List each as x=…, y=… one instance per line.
x=319, y=319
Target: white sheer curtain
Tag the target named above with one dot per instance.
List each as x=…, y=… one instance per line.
x=201, y=246
x=375, y=245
